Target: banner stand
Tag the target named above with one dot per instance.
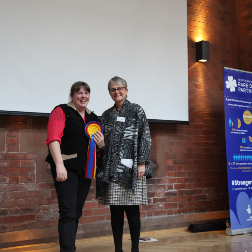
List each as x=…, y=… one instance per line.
x=238, y=130
x=229, y=231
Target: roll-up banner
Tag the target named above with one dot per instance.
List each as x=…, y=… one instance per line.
x=238, y=127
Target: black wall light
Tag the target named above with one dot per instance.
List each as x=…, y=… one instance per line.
x=202, y=51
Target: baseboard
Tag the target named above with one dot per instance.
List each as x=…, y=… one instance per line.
x=26, y=237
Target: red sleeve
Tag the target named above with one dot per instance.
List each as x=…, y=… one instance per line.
x=55, y=126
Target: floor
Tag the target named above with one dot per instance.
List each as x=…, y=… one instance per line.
x=171, y=240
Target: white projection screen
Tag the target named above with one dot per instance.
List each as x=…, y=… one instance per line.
x=47, y=45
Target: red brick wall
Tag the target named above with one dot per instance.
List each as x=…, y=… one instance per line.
x=244, y=29
x=189, y=160
x=25, y=203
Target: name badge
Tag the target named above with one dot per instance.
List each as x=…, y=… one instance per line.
x=120, y=119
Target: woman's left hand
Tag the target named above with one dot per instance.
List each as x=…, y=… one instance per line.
x=99, y=139
x=140, y=170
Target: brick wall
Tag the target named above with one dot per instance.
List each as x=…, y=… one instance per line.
x=244, y=29
x=189, y=162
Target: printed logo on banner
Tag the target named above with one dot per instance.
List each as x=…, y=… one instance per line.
x=244, y=85
x=249, y=209
x=231, y=84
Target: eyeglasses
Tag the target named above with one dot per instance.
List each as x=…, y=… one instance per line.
x=113, y=90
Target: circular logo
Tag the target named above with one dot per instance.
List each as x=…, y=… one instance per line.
x=247, y=117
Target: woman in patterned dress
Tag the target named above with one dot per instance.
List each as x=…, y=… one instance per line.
x=125, y=163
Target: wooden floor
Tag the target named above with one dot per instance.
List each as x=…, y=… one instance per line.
x=171, y=240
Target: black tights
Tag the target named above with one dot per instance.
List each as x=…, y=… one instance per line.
x=117, y=221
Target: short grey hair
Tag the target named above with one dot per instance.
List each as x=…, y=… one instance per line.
x=118, y=81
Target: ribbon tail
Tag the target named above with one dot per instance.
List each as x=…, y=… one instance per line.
x=91, y=158
x=86, y=171
x=94, y=164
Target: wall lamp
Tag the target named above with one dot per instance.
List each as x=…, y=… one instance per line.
x=202, y=51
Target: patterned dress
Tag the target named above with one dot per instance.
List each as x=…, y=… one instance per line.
x=118, y=194
x=127, y=143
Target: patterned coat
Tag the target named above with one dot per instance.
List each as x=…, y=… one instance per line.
x=129, y=139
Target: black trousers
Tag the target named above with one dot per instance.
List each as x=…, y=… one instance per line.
x=71, y=194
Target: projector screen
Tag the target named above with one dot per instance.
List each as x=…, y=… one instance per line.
x=47, y=45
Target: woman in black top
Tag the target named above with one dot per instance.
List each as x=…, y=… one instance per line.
x=68, y=147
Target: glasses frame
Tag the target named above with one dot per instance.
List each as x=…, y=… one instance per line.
x=113, y=90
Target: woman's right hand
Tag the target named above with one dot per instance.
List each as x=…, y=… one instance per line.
x=61, y=173
x=58, y=160
x=99, y=139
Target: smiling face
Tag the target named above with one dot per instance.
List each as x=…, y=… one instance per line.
x=80, y=99
x=118, y=96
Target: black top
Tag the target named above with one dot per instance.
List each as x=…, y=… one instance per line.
x=74, y=143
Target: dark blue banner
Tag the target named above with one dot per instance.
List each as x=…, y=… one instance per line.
x=238, y=126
